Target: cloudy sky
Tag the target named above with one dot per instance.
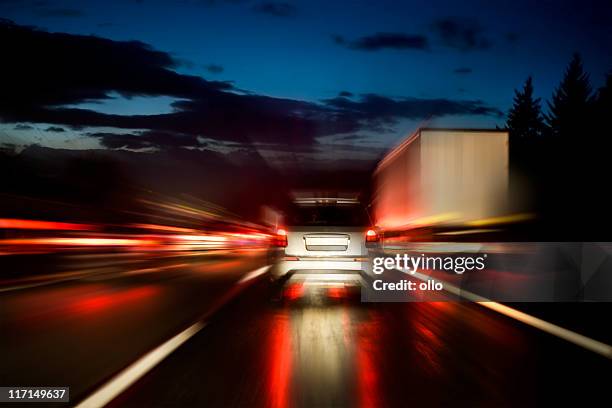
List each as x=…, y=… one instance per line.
x=296, y=80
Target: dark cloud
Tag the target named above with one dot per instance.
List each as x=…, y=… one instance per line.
x=462, y=70
x=82, y=69
x=345, y=94
x=462, y=34
x=259, y=118
x=55, y=129
x=148, y=139
x=351, y=137
x=276, y=9
x=87, y=68
x=378, y=109
x=21, y=126
x=58, y=12
x=380, y=41
x=214, y=68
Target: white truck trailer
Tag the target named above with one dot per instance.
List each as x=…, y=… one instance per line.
x=443, y=178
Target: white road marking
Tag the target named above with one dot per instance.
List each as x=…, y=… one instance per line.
x=254, y=274
x=139, y=368
x=550, y=328
x=573, y=337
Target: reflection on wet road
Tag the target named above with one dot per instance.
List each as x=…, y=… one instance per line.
x=299, y=345
x=79, y=332
x=321, y=347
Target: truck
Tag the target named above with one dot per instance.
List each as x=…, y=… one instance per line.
x=443, y=179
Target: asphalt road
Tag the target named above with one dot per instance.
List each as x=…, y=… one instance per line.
x=284, y=347
x=81, y=331
x=321, y=347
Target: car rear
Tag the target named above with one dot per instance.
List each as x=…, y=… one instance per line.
x=325, y=240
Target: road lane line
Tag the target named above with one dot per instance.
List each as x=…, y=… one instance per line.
x=550, y=328
x=135, y=371
x=139, y=368
x=573, y=337
x=254, y=274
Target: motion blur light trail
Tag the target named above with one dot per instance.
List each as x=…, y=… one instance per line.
x=280, y=356
x=9, y=223
x=156, y=223
x=25, y=236
x=62, y=244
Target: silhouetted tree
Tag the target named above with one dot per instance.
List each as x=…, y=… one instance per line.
x=570, y=108
x=575, y=156
x=601, y=129
x=525, y=125
x=603, y=107
x=525, y=119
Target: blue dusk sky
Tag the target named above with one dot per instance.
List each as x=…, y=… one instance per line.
x=307, y=78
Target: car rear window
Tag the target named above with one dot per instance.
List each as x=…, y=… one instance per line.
x=336, y=215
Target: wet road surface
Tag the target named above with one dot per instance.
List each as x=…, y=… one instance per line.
x=320, y=347
x=284, y=347
x=80, y=332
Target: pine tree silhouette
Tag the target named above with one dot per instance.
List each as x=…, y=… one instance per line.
x=525, y=119
x=525, y=126
x=601, y=142
x=577, y=139
x=570, y=109
x=603, y=104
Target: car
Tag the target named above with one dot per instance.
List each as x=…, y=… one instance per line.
x=325, y=240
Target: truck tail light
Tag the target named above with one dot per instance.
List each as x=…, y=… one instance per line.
x=281, y=237
x=371, y=236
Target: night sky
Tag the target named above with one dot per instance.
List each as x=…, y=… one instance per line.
x=296, y=81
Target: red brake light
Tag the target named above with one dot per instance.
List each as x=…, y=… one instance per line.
x=281, y=237
x=371, y=236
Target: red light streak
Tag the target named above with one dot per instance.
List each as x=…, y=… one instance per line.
x=163, y=228
x=337, y=292
x=108, y=300
x=294, y=291
x=12, y=223
x=78, y=241
x=368, y=337
x=279, y=377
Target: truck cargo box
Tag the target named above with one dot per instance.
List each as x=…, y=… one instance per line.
x=443, y=177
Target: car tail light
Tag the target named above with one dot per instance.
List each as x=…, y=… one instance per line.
x=371, y=236
x=281, y=237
